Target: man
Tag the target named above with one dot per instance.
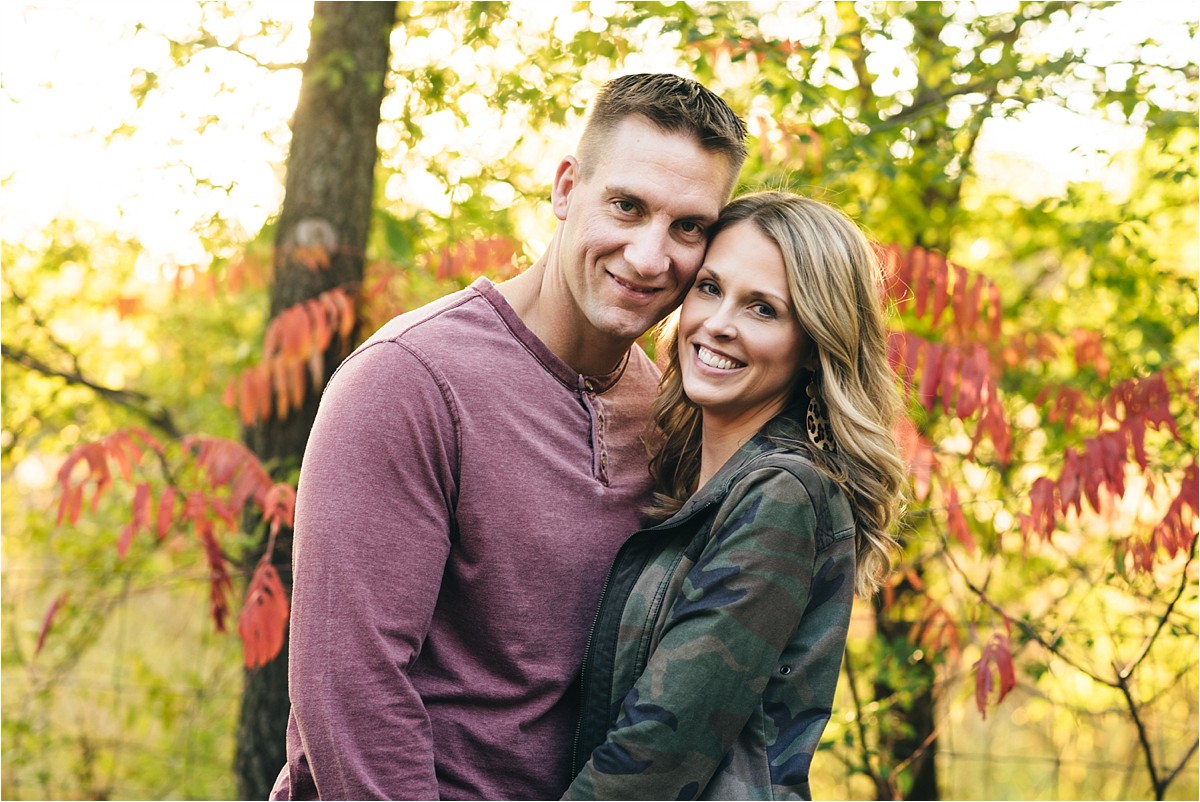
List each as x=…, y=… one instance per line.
x=476, y=464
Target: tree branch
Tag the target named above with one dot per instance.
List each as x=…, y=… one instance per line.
x=138, y=403
x=868, y=769
x=1028, y=629
x=1143, y=736
x=1184, y=582
x=1170, y=778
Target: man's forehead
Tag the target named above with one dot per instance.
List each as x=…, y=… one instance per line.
x=637, y=146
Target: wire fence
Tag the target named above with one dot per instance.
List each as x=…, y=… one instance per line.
x=149, y=710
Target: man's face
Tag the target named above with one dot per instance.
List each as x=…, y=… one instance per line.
x=633, y=231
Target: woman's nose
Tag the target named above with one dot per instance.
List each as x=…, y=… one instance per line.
x=720, y=323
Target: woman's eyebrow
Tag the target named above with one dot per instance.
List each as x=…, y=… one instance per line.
x=715, y=276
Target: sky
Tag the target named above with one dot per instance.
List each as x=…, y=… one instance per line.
x=66, y=70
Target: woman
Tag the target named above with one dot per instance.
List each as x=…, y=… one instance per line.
x=712, y=664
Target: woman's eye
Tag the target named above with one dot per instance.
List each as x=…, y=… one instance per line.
x=764, y=310
x=706, y=287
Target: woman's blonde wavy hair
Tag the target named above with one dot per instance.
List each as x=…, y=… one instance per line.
x=835, y=284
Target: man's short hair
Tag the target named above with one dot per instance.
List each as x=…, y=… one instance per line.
x=676, y=105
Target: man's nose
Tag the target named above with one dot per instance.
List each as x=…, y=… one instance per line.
x=647, y=251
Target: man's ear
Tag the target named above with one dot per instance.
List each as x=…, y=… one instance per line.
x=565, y=180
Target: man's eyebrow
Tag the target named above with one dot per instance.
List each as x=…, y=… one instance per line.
x=624, y=192
x=614, y=190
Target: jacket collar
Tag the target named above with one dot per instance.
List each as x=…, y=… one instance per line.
x=781, y=434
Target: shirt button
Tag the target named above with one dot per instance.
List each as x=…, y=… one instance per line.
x=785, y=669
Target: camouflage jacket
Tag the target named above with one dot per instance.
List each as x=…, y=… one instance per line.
x=712, y=663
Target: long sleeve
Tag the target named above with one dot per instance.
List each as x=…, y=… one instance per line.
x=719, y=646
x=372, y=535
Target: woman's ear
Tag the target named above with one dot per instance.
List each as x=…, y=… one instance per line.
x=812, y=358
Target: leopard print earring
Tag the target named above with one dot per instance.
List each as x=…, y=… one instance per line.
x=815, y=420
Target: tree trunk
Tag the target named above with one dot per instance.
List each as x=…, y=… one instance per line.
x=912, y=742
x=326, y=209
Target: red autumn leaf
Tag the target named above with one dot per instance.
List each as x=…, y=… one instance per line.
x=166, y=512
x=912, y=355
x=280, y=387
x=229, y=396
x=1042, y=506
x=247, y=403
x=295, y=383
x=264, y=617
x=70, y=504
x=294, y=336
x=279, y=506
x=895, y=349
x=48, y=621
x=899, y=277
x=1070, y=483
x=935, y=631
x=918, y=454
x=227, y=463
x=1177, y=529
x=971, y=378
x=1112, y=459
x=920, y=280
x=345, y=317
x=1093, y=473
x=318, y=321
x=124, y=452
x=271, y=338
x=940, y=276
x=128, y=306
x=94, y=457
x=224, y=512
x=220, y=584
x=1134, y=428
x=994, y=312
x=443, y=267
x=1089, y=351
x=957, y=521
x=313, y=257
x=951, y=378
x=333, y=311
x=960, y=298
x=316, y=368
x=260, y=387
x=974, y=309
x=931, y=372
x=993, y=424
x=997, y=653
x=147, y=440
x=140, y=519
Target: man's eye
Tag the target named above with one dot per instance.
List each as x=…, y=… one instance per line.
x=626, y=206
x=691, y=228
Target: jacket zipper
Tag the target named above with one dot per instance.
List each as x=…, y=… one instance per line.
x=587, y=649
x=583, y=672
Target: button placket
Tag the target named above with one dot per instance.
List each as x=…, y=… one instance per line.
x=595, y=408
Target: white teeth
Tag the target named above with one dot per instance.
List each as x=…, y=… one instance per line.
x=715, y=361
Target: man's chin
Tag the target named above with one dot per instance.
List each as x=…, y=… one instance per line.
x=629, y=328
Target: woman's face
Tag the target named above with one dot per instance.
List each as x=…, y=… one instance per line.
x=740, y=344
